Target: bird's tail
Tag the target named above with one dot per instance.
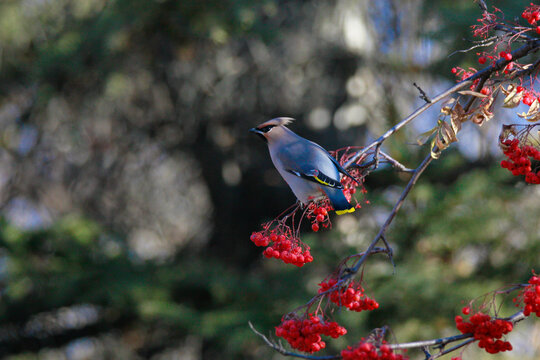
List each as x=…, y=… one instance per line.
x=339, y=201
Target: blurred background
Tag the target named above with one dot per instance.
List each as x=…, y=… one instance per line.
x=129, y=184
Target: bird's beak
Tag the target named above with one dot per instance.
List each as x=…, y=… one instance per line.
x=259, y=133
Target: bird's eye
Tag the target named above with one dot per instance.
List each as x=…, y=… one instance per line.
x=267, y=128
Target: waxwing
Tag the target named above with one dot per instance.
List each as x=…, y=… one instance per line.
x=309, y=170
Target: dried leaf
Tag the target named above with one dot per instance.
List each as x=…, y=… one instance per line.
x=456, y=121
x=458, y=116
x=483, y=113
x=535, y=106
x=446, y=110
x=472, y=93
x=513, y=97
x=446, y=107
x=446, y=135
x=424, y=137
x=480, y=118
x=533, y=114
x=435, y=151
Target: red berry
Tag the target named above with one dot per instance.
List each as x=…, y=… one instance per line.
x=508, y=56
x=268, y=252
x=454, y=70
x=320, y=218
x=482, y=60
x=466, y=310
x=315, y=227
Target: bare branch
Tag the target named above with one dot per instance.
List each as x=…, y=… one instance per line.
x=440, y=342
x=394, y=211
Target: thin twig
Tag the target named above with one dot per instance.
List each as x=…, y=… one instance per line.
x=529, y=70
x=486, y=42
x=390, y=253
x=453, y=348
x=512, y=31
x=284, y=352
x=395, y=163
x=423, y=94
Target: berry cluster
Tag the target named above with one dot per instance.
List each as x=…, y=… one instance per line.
x=528, y=97
x=284, y=246
x=368, y=351
x=532, y=15
x=519, y=160
x=485, y=329
x=305, y=335
x=531, y=297
x=352, y=296
x=319, y=213
x=349, y=189
x=350, y=185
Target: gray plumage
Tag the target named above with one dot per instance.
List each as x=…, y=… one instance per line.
x=309, y=170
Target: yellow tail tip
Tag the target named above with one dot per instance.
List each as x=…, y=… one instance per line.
x=346, y=211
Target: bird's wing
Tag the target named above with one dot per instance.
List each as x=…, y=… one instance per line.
x=317, y=177
x=340, y=168
x=308, y=160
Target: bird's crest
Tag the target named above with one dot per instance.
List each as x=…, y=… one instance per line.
x=280, y=121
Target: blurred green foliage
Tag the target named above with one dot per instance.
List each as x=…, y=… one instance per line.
x=466, y=229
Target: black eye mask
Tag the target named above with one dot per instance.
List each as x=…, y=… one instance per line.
x=266, y=129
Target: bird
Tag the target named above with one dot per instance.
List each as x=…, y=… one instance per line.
x=308, y=169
